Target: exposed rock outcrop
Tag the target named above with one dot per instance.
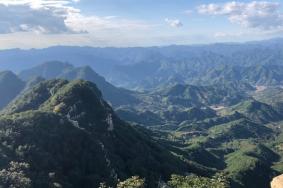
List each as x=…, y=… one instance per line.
x=277, y=182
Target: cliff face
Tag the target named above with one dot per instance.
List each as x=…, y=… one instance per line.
x=277, y=182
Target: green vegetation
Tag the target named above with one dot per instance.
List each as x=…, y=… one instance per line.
x=270, y=95
x=203, y=95
x=133, y=182
x=243, y=163
x=257, y=111
x=60, y=133
x=217, y=181
x=58, y=136
x=15, y=176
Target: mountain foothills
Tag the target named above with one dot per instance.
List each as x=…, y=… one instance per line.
x=200, y=116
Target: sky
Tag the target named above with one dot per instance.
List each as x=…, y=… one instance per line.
x=126, y=23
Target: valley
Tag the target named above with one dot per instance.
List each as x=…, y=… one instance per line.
x=177, y=121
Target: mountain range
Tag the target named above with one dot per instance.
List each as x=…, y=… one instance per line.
x=14, y=84
x=189, y=116
x=151, y=67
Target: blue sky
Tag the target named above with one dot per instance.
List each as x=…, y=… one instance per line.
x=43, y=23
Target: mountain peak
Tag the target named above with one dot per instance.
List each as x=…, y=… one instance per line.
x=47, y=70
x=82, y=103
x=7, y=75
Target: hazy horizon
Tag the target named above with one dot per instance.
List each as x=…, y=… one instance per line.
x=149, y=46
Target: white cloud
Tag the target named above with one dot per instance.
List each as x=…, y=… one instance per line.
x=40, y=16
x=23, y=18
x=43, y=23
x=36, y=3
x=81, y=23
x=257, y=14
x=174, y=22
x=230, y=35
x=55, y=17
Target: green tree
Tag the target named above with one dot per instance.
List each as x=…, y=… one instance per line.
x=14, y=176
x=133, y=182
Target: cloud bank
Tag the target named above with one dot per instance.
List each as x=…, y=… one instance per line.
x=56, y=17
x=261, y=15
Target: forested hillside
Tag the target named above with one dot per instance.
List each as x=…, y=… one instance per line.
x=190, y=123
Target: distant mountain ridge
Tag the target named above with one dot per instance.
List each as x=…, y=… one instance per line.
x=55, y=69
x=257, y=75
x=258, y=111
x=10, y=87
x=150, y=67
x=48, y=70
